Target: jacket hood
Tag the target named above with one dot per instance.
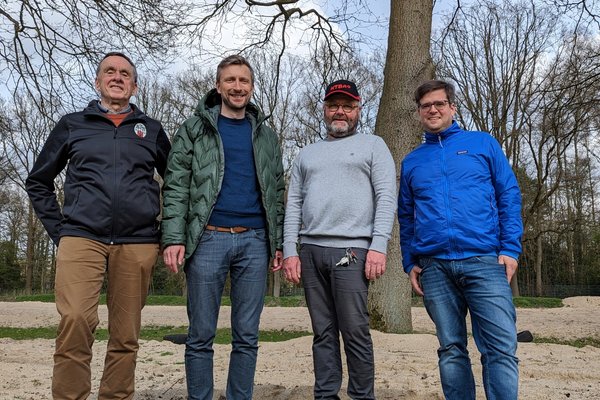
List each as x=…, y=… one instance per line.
x=211, y=100
x=434, y=137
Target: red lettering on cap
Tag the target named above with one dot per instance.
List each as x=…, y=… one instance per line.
x=340, y=86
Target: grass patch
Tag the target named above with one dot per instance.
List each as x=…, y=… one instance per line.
x=28, y=333
x=519, y=302
x=579, y=343
x=223, y=335
x=165, y=301
x=537, y=302
x=286, y=301
x=270, y=301
x=44, y=298
x=291, y=301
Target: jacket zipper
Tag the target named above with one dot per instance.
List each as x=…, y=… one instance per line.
x=220, y=182
x=447, y=195
x=453, y=250
x=115, y=191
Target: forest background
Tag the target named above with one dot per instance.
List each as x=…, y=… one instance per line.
x=528, y=72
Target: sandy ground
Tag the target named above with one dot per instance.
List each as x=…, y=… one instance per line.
x=406, y=365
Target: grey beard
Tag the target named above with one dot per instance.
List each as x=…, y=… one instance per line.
x=338, y=132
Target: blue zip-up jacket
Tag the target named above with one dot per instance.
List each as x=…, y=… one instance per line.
x=459, y=198
x=110, y=194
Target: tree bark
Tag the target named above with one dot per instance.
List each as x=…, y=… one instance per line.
x=539, y=291
x=408, y=63
x=30, y=261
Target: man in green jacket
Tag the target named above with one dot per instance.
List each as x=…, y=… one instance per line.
x=223, y=213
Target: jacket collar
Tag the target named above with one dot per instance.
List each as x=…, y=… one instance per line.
x=93, y=108
x=435, y=137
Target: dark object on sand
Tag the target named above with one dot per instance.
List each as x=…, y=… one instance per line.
x=524, y=337
x=177, y=338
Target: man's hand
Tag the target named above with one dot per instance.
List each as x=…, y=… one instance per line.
x=415, y=282
x=277, y=262
x=173, y=256
x=510, y=265
x=292, y=269
x=374, y=265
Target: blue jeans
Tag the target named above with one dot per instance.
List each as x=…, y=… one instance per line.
x=245, y=257
x=479, y=285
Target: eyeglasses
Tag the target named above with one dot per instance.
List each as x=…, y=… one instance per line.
x=345, y=107
x=439, y=105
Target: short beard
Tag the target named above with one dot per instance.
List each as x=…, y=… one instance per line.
x=234, y=106
x=340, y=132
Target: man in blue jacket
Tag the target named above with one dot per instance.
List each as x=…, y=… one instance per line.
x=459, y=210
x=107, y=227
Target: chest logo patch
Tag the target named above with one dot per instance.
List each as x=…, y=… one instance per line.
x=462, y=152
x=140, y=130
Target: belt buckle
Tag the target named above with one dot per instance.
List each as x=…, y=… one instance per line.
x=231, y=229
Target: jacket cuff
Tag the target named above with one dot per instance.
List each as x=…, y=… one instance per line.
x=509, y=253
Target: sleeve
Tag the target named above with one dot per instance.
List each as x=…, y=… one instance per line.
x=163, y=147
x=176, y=188
x=406, y=219
x=383, y=179
x=508, y=200
x=280, y=187
x=40, y=181
x=293, y=211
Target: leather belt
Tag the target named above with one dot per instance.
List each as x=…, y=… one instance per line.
x=232, y=229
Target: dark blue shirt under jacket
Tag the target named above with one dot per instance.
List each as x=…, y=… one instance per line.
x=239, y=202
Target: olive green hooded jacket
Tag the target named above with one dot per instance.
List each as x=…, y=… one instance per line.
x=195, y=171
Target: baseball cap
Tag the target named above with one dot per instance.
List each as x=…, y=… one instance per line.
x=343, y=87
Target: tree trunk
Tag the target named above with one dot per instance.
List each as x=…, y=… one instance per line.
x=31, y=237
x=276, y=284
x=538, y=266
x=514, y=286
x=408, y=63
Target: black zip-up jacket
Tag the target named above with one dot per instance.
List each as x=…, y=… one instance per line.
x=110, y=194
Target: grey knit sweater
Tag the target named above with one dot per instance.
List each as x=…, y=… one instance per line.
x=342, y=193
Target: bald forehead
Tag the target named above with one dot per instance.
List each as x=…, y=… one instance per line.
x=118, y=64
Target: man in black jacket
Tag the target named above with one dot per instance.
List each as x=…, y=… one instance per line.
x=107, y=227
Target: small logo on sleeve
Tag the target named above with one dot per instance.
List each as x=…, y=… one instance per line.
x=140, y=130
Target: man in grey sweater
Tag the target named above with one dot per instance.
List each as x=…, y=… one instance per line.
x=339, y=214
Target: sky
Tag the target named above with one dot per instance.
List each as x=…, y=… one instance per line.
x=232, y=34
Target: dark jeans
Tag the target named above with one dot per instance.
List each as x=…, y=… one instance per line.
x=337, y=302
